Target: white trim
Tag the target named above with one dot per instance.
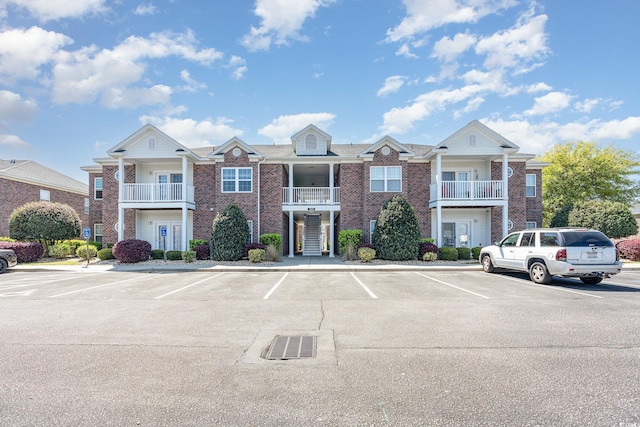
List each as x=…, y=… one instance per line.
x=236, y=180
x=95, y=188
x=385, y=180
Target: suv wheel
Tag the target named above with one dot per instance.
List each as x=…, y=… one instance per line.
x=591, y=280
x=539, y=274
x=3, y=265
x=487, y=265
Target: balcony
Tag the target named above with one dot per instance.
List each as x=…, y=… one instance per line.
x=311, y=196
x=156, y=193
x=467, y=190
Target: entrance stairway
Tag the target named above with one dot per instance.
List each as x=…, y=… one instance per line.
x=312, y=246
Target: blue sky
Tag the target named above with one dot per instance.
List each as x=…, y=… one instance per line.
x=77, y=77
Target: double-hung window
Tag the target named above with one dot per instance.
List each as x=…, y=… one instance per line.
x=97, y=188
x=237, y=180
x=386, y=178
x=531, y=185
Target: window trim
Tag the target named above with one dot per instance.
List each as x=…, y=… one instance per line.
x=87, y=206
x=385, y=180
x=95, y=232
x=372, y=228
x=250, y=224
x=45, y=195
x=527, y=186
x=96, y=189
x=236, y=180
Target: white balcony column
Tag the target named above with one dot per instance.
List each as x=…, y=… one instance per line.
x=438, y=233
x=185, y=235
x=331, y=201
x=505, y=194
x=291, y=235
x=332, y=232
x=121, y=179
x=185, y=169
x=291, y=184
x=120, y=223
x=438, y=176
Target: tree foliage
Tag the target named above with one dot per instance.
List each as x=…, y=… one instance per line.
x=44, y=222
x=229, y=234
x=397, y=233
x=612, y=218
x=584, y=171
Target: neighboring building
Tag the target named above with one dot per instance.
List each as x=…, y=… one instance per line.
x=469, y=190
x=23, y=181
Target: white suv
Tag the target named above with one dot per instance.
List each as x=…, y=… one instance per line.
x=547, y=252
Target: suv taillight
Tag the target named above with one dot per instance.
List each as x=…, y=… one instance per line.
x=561, y=255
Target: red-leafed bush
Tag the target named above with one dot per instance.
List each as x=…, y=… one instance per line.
x=202, y=251
x=250, y=246
x=132, y=251
x=427, y=247
x=629, y=249
x=25, y=251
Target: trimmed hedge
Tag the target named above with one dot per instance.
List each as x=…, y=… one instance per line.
x=272, y=239
x=132, y=250
x=366, y=254
x=82, y=251
x=351, y=238
x=475, y=252
x=629, y=249
x=25, y=251
x=464, y=253
x=157, y=254
x=448, y=254
x=256, y=255
x=105, y=254
x=173, y=255
x=188, y=256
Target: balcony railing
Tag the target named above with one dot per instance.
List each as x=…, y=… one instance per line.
x=156, y=193
x=468, y=190
x=311, y=196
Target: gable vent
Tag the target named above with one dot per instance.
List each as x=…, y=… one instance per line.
x=311, y=142
x=151, y=143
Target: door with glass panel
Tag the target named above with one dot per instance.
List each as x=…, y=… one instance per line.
x=169, y=187
x=168, y=235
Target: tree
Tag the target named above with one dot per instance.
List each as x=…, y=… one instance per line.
x=229, y=234
x=397, y=233
x=44, y=222
x=612, y=218
x=584, y=171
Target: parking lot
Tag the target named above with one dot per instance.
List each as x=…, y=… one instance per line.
x=393, y=348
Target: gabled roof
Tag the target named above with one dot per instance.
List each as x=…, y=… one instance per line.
x=137, y=134
x=315, y=129
x=392, y=143
x=231, y=144
x=32, y=172
x=476, y=126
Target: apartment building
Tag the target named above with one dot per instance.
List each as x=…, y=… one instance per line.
x=469, y=190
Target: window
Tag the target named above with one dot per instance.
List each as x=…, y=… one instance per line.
x=311, y=142
x=97, y=233
x=472, y=140
x=531, y=185
x=151, y=143
x=372, y=227
x=45, y=195
x=509, y=172
x=86, y=206
x=528, y=239
x=97, y=188
x=510, y=240
x=237, y=180
x=250, y=224
x=548, y=239
x=386, y=178
x=531, y=224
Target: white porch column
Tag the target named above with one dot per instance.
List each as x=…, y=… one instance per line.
x=290, y=183
x=120, y=223
x=331, y=185
x=438, y=176
x=331, y=234
x=438, y=224
x=291, y=235
x=185, y=169
x=185, y=234
x=505, y=185
x=121, y=176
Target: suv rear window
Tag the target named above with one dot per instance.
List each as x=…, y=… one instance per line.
x=585, y=238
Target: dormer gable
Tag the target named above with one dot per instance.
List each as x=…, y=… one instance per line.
x=151, y=143
x=474, y=138
x=311, y=141
x=385, y=145
x=236, y=146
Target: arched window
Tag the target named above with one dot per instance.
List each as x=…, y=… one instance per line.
x=311, y=142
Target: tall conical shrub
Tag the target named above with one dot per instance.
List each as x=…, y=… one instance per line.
x=397, y=233
x=229, y=234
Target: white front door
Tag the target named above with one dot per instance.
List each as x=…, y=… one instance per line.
x=456, y=234
x=168, y=235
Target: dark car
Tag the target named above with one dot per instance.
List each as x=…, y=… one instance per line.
x=8, y=259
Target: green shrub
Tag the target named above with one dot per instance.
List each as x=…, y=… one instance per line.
x=426, y=240
x=256, y=255
x=44, y=222
x=366, y=254
x=82, y=251
x=274, y=239
x=6, y=239
x=196, y=242
x=173, y=255
x=59, y=251
x=188, y=256
x=430, y=256
x=229, y=234
x=614, y=219
x=397, y=233
x=475, y=252
x=448, y=254
x=271, y=254
x=157, y=254
x=464, y=253
x=105, y=254
x=347, y=238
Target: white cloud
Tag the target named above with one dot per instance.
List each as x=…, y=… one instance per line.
x=392, y=84
x=617, y=129
x=281, y=21
x=587, y=105
x=192, y=85
x=192, y=133
x=238, y=66
x=145, y=9
x=47, y=10
x=13, y=107
x=423, y=16
x=447, y=49
x=549, y=103
x=88, y=74
x=282, y=128
x=405, y=51
x=538, y=87
x=23, y=52
x=12, y=141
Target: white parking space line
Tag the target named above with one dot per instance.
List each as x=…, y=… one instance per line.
x=188, y=286
x=453, y=286
x=371, y=294
x=550, y=287
x=38, y=283
x=95, y=287
x=275, y=286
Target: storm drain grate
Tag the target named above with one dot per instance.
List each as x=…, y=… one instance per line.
x=292, y=347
